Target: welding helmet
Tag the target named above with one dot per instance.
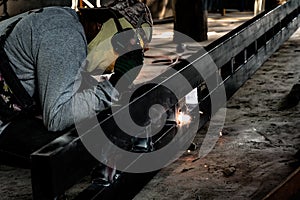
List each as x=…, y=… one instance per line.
x=137, y=14
x=116, y=32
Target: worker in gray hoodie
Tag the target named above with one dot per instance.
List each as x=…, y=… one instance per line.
x=51, y=50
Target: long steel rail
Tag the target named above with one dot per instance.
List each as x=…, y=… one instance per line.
x=59, y=165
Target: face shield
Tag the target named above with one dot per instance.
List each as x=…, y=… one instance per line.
x=101, y=52
x=145, y=34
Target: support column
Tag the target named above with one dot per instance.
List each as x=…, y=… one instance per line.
x=190, y=19
x=4, y=10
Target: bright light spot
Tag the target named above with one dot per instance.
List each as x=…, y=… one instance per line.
x=221, y=134
x=183, y=119
x=211, y=33
x=164, y=35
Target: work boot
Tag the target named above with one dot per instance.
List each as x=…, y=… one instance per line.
x=103, y=175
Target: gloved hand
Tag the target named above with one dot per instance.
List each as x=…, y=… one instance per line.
x=124, y=64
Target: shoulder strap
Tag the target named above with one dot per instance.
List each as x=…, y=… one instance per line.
x=24, y=99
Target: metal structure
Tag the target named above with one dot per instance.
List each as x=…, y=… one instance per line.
x=238, y=54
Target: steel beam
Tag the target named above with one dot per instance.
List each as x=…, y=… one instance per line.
x=60, y=164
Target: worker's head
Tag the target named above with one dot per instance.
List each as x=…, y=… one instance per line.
x=137, y=14
x=115, y=29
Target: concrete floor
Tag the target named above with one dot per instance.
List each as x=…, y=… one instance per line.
x=256, y=151
x=162, y=46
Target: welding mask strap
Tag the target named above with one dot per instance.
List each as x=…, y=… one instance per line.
x=24, y=99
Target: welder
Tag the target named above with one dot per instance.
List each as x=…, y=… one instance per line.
x=48, y=51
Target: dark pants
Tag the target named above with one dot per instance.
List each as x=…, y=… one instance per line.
x=21, y=138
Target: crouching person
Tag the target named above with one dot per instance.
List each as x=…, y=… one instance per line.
x=45, y=54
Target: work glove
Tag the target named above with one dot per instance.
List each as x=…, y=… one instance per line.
x=124, y=63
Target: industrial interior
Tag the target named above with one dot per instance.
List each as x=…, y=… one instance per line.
x=212, y=111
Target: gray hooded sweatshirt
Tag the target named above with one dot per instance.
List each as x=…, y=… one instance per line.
x=47, y=50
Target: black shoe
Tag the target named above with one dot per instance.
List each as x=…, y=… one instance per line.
x=103, y=175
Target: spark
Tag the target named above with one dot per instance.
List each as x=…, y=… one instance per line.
x=183, y=119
